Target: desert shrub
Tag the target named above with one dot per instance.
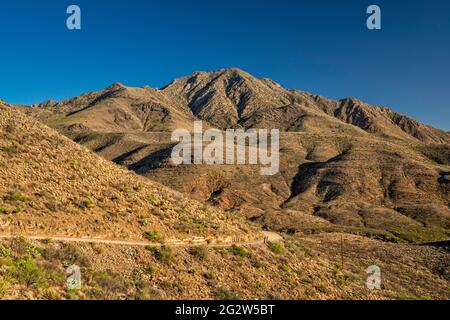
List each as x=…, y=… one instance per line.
x=47, y=241
x=225, y=294
x=86, y=203
x=154, y=236
x=4, y=251
x=22, y=247
x=68, y=255
x=27, y=271
x=200, y=224
x=33, y=251
x=152, y=199
x=146, y=291
x=209, y=275
x=158, y=212
x=111, y=282
x=239, y=251
x=163, y=254
x=13, y=149
x=50, y=295
x=277, y=248
x=285, y=268
x=143, y=221
x=15, y=197
x=4, y=286
x=152, y=270
x=10, y=127
x=53, y=206
x=199, y=252
x=257, y=264
x=182, y=227
x=10, y=210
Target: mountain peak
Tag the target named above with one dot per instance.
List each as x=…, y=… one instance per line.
x=115, y=86
x=228, y=72
x=234, y=71
x=350, y=100
x=47, y=104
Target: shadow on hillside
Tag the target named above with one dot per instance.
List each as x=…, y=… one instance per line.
x=120, y=159
x=157, y=159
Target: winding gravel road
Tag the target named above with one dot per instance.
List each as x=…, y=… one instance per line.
x=268, y=237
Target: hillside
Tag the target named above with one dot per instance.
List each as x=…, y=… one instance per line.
x=49, y=185
x=306, y=267
x=54, y=188
x=344, y=163
x=228, y=98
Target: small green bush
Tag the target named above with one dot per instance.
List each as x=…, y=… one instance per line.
x=151, y=270
x=163, y=254
x=50, y=295
x=200, y=224
x=152, y=199
x=5, y=210
x=199, y=252
x=111, y=282
x=4, y=286
x=154, y=236
x=15, y=197
x=277, y=248
x=285, y=268
x=13, y=149
x=225, y=294
x=28, y=272
x=209, y=275
x=4, y=251
x=86, y=204
x=34, y=252
x=143, y=222
x=239, y=251
x=257, y=264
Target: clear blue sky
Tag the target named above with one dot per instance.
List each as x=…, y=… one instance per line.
x=319, y=46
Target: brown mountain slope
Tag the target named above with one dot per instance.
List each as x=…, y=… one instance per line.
x=231, y=97
x=116, y=109
x=342, y=162
x=323, y=178
x=381, y=120
x=228, y=98
x=50, y=185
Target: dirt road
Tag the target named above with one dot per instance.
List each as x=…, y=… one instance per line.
x=267, y=235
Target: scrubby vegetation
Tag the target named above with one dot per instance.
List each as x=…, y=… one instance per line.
x=199, y=252
x=239, y=251
x=308, y=269
x=163, y=253
x=82, y=194
x=277, y=248
x=154, y=236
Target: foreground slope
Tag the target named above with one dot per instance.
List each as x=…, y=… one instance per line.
x=331, y=266
x=52, y=186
